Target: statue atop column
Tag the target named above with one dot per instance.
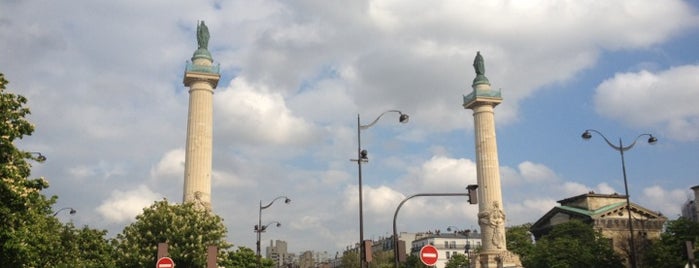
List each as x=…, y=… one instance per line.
x=479, y=65
x=202, y=51
x=203, y=36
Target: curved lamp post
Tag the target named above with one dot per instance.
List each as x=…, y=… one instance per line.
x=362, y=157
x=72, y=211
x=259, y=228
x=621, y=149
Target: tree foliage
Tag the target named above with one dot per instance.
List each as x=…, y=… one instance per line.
x=572, y=244
x=457, y=261
x=350, y=259
x=30, y=236
x=519, y=240
x=187, y=230
x=26, y=234
x=245, y=257
x=670, y=250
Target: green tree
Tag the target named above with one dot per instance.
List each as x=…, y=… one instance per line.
x=245, y=257
x=350, y=259
x=413, y=261
x=85, y=247
x=382, y=259
x=457, y=261
x=28, y=234
x=187, y=230
x=573, y=244
x=670, y=250
x=519, y=240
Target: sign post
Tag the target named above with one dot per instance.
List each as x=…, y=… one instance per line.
x=165, y=262
x=429, y=255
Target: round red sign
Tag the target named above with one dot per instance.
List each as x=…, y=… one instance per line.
x=429, y=255
x=165, y=262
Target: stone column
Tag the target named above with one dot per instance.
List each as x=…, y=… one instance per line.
x=202, y=77
x=491, y=214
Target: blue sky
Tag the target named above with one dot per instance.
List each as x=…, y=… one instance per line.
x=104, y=82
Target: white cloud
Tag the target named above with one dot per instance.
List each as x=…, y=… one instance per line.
x=667, y=201
x=528, y=210
x=171, y=165
x=664, y=100
x=381, y=200
x=441, y=173
x=123, y=206
x=533, y=172
x=251, y=113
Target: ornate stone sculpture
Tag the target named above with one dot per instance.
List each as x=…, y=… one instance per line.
x=495, y=218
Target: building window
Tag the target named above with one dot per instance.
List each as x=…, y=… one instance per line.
x=448, y=254
x=453, y=244
x=446, y=245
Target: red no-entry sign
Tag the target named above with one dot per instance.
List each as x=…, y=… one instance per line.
x=429, y=255
x=165, y=262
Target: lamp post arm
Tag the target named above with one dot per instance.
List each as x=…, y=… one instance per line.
x=270, y=203
x=618, y=148
x=634, y=142
x=379, y=117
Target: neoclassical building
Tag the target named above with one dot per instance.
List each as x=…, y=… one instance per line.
x=607, y=213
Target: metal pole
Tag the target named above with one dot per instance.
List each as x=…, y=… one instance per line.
x=632, y=261
x=362, y=259
x=259, y=236
x=395, y=215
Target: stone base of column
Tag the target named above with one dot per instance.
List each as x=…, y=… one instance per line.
x=499, y=259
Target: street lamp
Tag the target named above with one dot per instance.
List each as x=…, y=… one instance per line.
x=362, y=157
x=259, y=228
x=37, y=156
x=621, y=149
x=72, y=211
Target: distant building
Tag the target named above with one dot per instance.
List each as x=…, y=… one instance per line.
x=306, y=260
x=278, y=253
x=690, y=209
x=607, y=213
x=448, y=245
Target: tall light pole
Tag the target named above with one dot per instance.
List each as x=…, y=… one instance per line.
x=259, y=228
x=362, y=157
x=621, y=149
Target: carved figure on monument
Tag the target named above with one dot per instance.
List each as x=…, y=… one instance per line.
x=203, y=35
x=199, y=203
x=495, y=218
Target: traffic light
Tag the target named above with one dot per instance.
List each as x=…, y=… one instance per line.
x=472, y=193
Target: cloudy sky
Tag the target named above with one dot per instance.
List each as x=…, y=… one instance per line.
x=104, y=82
